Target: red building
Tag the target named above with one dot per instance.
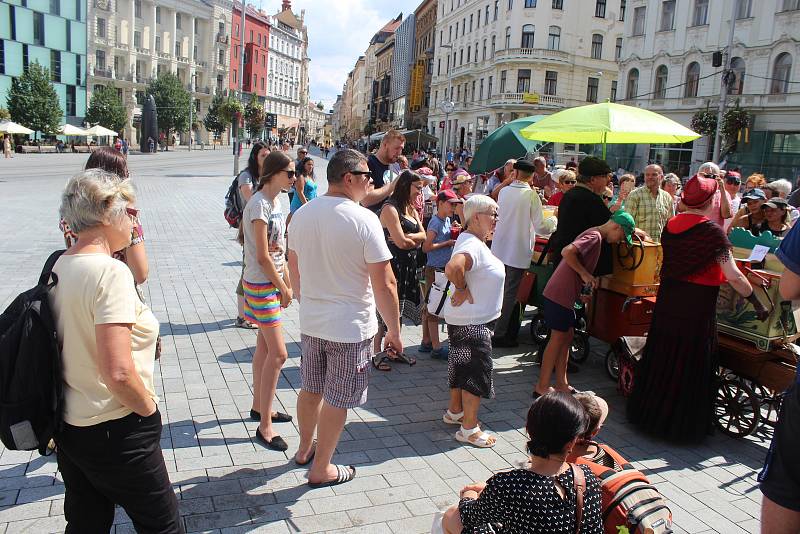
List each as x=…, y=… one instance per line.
x=256, y=47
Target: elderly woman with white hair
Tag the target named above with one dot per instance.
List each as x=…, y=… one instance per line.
x=477, y=278
x=108, y=450
x=782, y=188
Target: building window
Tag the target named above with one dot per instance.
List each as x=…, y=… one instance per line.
x=618, y=49
x=494, y=41
x=99, y=60
x=622, y=10
x=638, y=20
x=137, y=39
x=613, y=96
x=530, y=3
x=633, y=84
x=508, y=38
x=743, y=8
x=700, y=15
x=660, y=88
x=55, y=7
x=600, y=9
x=38, y=28
x=550, y=82
x=25, y=57
x=527, y=35
x=496, y=9
x=486, y=16
x=461, y=57
x=791, y=5
x=558, y=4
x=71, y=107
x=158, y=14
x=502, y=81
x=473, y=91
x=489, y=87
x=524, y=81
x=667, y=16
x=178, y=21
x=178, y=49
x=480, y=94
x=597, y=46
x=55, y=65
x=101, y=28
x=484, y=49
x=781, y=73
x=692, y=80
x=2, y=56
x=137, y=8
x=158, y=44
x=469, y=53
x=470, y=22
x=737, y=68
x=591, y=89
x=554, y=38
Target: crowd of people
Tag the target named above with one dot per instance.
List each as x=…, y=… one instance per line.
x=391, y=233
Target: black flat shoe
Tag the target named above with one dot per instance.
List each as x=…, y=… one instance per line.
x=255, y=416
x=281, y=417
x=276, y=444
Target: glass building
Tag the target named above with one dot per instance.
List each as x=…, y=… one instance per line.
x=52, y=32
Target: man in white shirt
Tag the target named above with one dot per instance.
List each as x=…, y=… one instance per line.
x=338, y=258
x=519, y=218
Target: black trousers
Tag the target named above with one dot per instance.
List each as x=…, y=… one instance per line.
x=118, y=462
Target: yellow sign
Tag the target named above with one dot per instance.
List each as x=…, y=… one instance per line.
x=530, y=98
x=417, y=82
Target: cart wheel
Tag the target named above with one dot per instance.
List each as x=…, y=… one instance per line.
x=737, y=408
x=612, y=365
x=580, y=349
x=539, y=330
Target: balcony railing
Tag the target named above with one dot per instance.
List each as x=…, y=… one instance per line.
x=532, y=54
x=546, y=101
x=122, y=46
x=202, y=64
x=103, y=72
x=141, y=50
x=164, y=55
x=183, y=59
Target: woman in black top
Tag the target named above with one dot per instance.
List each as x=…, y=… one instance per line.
x=404, y=236
x=543, y=497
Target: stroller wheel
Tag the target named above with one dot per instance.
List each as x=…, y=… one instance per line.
x=539, y=330
x=580, y=349
x=612, y=365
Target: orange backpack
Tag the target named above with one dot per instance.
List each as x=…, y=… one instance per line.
x=631, y=505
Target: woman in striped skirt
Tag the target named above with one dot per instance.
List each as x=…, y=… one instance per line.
x=267, y=289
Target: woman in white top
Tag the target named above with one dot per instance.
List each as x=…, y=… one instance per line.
x=477, y=277
x=109, y=448
x=267, y=289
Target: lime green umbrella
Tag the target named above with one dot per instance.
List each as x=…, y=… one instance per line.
x=503, y=144
x=608, y=123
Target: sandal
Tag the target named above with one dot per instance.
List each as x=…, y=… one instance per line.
x=403, y=357
x=244, y=323
x=450, y=420
x=344, y=474
x=479, y=439
x=381, y=362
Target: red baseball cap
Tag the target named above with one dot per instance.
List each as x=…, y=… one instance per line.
x=698, y=191
x=449, y=196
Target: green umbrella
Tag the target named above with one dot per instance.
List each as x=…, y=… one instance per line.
x=504, y=143
x=608, y=123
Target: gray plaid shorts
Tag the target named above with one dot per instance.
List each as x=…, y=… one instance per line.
x=339, y=371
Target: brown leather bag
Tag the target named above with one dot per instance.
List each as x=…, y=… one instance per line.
x=579, y=479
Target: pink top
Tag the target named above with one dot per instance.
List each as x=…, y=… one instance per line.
x=564, y=287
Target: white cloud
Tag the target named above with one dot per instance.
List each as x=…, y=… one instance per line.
x=338, y=32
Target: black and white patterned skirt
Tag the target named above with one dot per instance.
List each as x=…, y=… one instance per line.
x=469, y=365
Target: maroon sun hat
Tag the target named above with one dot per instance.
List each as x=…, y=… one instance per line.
x=698, y=191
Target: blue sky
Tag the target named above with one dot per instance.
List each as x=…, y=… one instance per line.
x=338, y=32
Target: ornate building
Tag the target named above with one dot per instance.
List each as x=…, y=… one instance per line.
x=418, y=103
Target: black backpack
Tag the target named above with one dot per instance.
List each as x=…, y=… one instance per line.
x=31, y=378
x=234, y=207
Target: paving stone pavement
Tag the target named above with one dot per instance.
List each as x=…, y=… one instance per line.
x=409, y=465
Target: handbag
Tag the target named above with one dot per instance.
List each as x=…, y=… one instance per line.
x=437, y=294
x=534, y=281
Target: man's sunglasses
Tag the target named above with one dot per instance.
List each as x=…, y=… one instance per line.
x=290, y=174
x=368, y=174
x=733, y=181
x=708, y=175
x=606, y=197
x=570, y=182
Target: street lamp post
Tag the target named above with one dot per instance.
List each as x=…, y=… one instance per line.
x=241, y=88
x=447, y=106
x=723, y=92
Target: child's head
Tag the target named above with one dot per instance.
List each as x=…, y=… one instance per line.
x=446, y=202
x=597, y=410
x=620, y=227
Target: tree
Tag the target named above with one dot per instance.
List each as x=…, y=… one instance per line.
x=320, y=106
x=172, y=103
x=33, y=102
x=106, y=109
x=254, y=117
x=214, y=121
x=4, y=114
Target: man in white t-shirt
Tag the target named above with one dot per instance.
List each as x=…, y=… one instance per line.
x=520, y=217
x=340, y=270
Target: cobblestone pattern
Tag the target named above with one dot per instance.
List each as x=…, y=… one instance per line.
x=409, y=465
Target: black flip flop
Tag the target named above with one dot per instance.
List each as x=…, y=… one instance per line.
x=345, y=474
x=276, y=444
x=310, y=457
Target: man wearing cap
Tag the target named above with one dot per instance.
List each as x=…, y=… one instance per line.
x=520, y=217
x=750, y=214
x=573, y=279
x=650, y=206
x=582, y=208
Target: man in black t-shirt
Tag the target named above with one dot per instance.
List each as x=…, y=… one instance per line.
x=581, y=208
x=391, y=148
